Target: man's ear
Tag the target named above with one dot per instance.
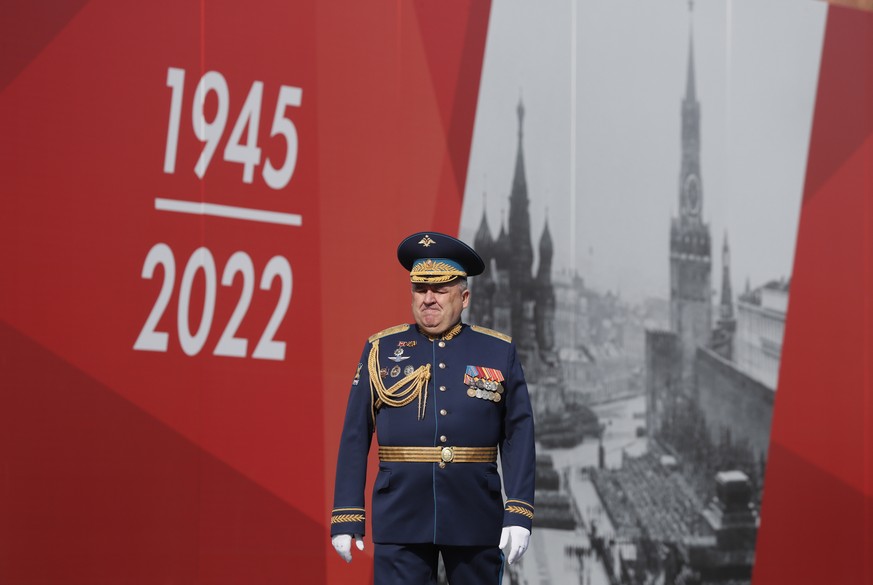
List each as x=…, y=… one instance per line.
x=465, y=297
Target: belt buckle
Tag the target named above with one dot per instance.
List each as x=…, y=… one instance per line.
x=447, y=454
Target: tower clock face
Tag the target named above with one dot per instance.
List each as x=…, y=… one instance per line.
x=692, y=194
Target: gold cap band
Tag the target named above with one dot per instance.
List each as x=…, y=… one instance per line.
x=434, y=271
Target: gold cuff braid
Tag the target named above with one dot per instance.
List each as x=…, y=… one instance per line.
x=342, y=518
x=520, y=510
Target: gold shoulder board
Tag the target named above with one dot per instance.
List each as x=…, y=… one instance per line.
x=492, y=333
x=389, y=331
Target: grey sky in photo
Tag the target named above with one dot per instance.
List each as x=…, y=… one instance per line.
x=756, y=67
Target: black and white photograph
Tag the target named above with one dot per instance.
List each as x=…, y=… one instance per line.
x=634, y=188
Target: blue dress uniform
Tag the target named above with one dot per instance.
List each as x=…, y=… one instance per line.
x=443, y=408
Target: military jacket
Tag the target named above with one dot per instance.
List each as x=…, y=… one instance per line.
x=475, y=396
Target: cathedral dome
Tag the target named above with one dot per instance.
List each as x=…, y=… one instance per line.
x=483, y=243
x=547, y=248
x=502, y=249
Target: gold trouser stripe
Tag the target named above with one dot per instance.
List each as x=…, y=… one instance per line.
x=435, y=454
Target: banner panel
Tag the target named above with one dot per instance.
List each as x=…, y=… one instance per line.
x=816, y=522
x=201, y=204
x=198, y=201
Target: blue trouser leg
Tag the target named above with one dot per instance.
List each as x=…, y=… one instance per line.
x=473, y=565
x=405, y=564
x=416, y=564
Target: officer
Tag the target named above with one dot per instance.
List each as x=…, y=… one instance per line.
x=444, y=399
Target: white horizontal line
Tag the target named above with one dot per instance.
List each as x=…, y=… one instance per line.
x=229, y=211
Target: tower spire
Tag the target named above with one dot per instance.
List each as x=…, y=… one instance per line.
x=690, y=183
x=727, y=297
x=520, y=242
x=690, y=245
x=690, y=85
x=520, y=111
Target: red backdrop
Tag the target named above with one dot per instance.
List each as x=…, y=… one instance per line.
x=148, y=435
x=134, y=449
x=816, y=518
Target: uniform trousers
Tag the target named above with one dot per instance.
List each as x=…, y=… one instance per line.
x=416, y=564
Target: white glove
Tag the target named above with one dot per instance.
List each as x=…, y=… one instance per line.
x=519, y=537
x=342, y=543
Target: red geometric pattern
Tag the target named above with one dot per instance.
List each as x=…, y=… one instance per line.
x=184, y=465
x=817, y=517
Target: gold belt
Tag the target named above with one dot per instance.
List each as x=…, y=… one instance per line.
x=439, y=454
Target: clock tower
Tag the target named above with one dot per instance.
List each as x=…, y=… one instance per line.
x=690, y=245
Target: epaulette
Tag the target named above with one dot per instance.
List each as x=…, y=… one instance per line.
x=492, y=333
x=389, y=331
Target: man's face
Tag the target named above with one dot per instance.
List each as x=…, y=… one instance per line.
x=437, y=307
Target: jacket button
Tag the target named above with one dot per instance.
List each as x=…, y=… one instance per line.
x=442, y=464
x=443, y=438
x=442, y=388
x=442, y=366
x=444, y=412
x=442, y=343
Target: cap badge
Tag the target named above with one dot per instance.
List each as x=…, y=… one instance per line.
x=426, y=241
